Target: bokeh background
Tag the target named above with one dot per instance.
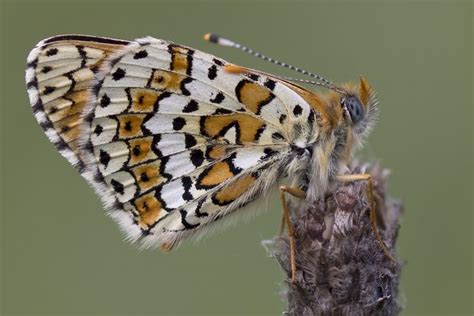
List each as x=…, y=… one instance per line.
x=62, y=256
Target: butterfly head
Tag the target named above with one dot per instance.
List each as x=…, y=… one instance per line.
x=359, y=107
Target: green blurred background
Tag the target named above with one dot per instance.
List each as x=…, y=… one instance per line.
x=62, y=256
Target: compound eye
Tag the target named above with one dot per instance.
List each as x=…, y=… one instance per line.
x=354, y=107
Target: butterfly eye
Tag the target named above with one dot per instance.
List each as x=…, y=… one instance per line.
x=354, y=107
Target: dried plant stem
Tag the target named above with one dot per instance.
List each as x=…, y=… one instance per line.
x=342, y=269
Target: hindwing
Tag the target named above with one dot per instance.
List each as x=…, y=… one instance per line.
x=170, y=140
x=59, y=74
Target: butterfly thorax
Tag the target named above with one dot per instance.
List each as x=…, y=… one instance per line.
x=336, y=135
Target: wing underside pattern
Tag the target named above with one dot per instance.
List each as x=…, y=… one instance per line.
x=59, y=73
x=169, y=139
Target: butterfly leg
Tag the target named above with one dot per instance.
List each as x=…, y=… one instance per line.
x=370, y=197
x=287, y=220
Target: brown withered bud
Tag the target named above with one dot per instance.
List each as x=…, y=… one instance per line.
x=341, y=267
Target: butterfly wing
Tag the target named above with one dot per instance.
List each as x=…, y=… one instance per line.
x=59, y=72
x=172, y=142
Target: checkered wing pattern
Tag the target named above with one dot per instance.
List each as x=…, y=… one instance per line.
x=170, y=140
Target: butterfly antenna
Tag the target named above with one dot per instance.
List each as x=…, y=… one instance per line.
x=315, y=83
x=216, y=39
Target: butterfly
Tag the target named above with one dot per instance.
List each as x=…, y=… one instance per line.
x=176, y=141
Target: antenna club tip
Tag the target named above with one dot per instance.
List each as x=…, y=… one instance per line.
x=211, y=37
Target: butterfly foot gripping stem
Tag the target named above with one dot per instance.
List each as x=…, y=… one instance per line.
x=286, y=219
x=370, y=197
